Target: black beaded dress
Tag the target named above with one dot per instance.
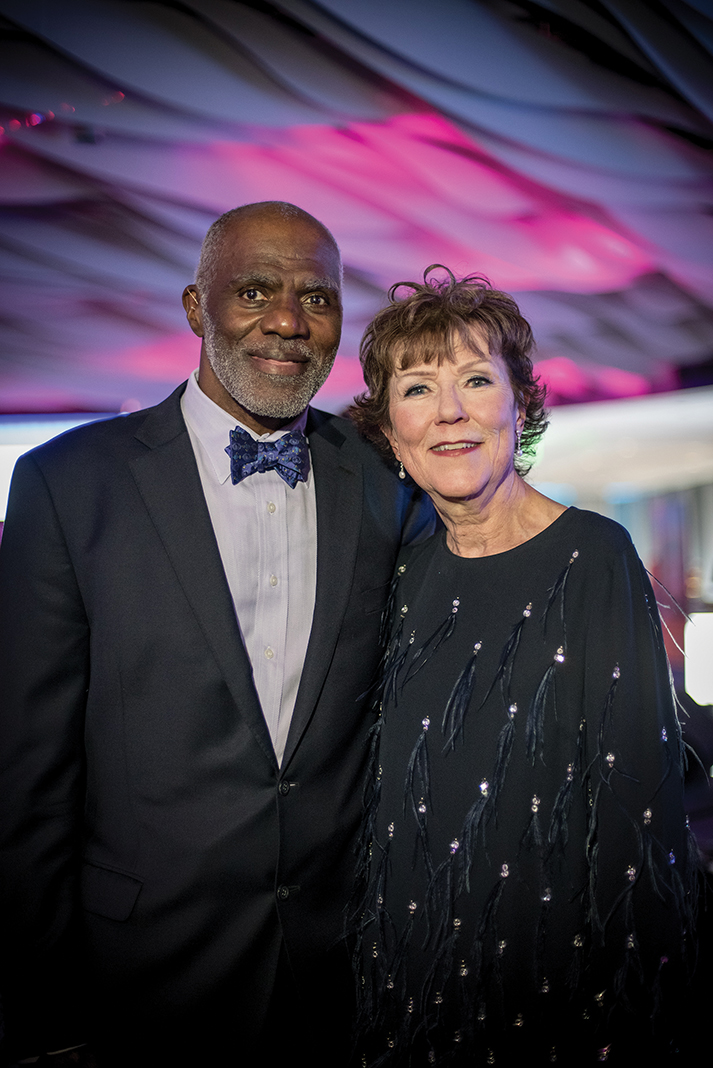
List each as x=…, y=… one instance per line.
x=527, y=868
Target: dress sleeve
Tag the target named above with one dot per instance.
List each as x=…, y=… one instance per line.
x=44, y=637
x=641, y=866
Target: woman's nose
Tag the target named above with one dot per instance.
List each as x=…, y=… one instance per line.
x=450, y=406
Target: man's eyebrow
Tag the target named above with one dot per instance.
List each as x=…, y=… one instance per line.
x=255, y=278
x=272, y=281
x=321, y=283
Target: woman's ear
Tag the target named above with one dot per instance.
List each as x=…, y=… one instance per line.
x=521, y=417
x=391, y=438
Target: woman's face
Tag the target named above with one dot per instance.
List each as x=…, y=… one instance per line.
x=454, y=425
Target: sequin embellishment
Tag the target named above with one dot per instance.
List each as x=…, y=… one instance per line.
x=559, y=655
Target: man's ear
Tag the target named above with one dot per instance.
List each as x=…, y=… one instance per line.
x=194, y=314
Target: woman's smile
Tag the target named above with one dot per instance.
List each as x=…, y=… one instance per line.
x=455, y=446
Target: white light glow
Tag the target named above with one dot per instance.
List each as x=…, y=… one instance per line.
x=698, y=646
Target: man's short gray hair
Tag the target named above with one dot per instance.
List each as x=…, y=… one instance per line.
x=207, y=264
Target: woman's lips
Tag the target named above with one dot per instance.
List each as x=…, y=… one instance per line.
x=455, y=446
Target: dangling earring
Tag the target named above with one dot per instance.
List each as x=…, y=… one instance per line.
x=518, y=451
x=402, y=472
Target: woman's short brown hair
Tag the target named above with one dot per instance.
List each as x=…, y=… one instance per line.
x=424, y=325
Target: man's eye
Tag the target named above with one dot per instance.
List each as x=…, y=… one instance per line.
x=253, y=293
x=317, y=299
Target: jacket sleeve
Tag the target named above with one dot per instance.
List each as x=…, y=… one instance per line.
x=640, y=855
x=44, y=637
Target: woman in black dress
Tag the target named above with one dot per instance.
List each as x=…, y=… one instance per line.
x=527, y=873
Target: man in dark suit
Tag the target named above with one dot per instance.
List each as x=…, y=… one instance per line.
x=189, y=620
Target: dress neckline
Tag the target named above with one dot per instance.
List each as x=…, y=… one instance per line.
x=528, y=543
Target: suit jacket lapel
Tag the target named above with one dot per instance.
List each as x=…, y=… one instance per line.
x=339, y=489
x=169, y=483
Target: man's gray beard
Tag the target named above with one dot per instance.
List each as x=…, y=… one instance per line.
x=272, y=396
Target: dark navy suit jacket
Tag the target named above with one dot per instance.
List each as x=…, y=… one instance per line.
x=150, y=844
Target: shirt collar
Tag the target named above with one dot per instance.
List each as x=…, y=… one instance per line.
x=211, y=424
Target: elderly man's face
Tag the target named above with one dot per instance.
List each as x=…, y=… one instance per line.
x=270, y=319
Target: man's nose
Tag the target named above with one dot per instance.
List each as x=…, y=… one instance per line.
x=285, y=317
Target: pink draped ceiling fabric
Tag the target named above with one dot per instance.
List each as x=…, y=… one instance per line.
x=562, y=148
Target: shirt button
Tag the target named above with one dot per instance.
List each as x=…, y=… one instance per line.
x=271, y=507
x=273, y=580
x=269, y=653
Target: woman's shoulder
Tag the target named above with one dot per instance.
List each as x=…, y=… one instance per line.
x=597, y=530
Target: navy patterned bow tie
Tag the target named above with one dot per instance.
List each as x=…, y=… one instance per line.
x=289, y=456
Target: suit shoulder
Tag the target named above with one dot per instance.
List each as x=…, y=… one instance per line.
x=344, y=434
x=114, y=436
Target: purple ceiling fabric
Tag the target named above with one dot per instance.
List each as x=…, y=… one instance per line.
x=561, y=149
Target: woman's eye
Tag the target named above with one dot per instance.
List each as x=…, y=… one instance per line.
x=478, y=380
x=415, y=391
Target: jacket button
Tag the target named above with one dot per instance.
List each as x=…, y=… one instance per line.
x=283, y=892
x=284, y=787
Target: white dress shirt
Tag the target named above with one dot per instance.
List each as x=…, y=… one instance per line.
x=267, y=538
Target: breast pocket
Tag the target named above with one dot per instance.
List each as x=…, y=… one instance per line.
x=108, y=893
